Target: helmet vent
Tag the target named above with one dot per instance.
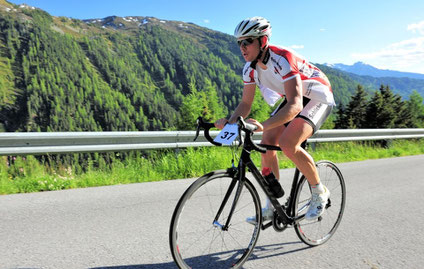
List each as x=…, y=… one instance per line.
x=248, y=30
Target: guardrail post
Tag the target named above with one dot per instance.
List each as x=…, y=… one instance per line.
x=312, y=145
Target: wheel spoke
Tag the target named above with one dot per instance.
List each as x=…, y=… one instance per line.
x=318, y=231
x=202, y=244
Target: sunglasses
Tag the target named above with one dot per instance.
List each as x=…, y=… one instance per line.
x=245, y=42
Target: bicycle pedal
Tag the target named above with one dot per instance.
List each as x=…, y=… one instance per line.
x=267, y=225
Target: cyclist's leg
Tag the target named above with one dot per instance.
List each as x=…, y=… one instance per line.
x=290, y=142
x=269, y=159
x=300, y=129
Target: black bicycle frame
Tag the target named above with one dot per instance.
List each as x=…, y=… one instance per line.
x=287, y=215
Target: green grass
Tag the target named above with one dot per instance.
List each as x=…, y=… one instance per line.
x=27, y=174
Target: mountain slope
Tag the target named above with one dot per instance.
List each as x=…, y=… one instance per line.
x=402, y=86
x=132, y=73
x=73, y=75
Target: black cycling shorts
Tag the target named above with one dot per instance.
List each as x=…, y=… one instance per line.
x=313, y=112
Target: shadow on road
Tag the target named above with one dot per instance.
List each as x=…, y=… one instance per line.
x=168, y=265
x=260, y=252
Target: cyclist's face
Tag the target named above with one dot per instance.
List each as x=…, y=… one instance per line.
x=249, y=48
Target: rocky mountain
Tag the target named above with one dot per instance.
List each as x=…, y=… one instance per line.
x=402, y=83
x=363, y=69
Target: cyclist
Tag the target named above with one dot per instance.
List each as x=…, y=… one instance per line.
x=280, y=72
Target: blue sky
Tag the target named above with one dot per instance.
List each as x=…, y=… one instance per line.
x=388, y=34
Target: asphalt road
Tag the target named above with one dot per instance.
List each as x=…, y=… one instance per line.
x=127, y=226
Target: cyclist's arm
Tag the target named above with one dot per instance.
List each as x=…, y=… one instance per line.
x=243, y=108
x=293, y=90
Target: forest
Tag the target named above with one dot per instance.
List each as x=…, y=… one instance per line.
x=62, y=74
x=105, y=80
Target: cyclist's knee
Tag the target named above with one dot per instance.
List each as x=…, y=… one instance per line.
x=271, y=137
x=290, y=149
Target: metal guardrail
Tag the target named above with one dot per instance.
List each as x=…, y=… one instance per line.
x=80, y=142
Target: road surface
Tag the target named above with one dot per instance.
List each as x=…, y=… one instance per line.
x=127, y=226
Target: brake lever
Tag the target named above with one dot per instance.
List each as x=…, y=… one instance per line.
x=243, y=124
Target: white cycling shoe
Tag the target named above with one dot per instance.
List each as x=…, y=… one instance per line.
x=267, y=214
x=317, y=205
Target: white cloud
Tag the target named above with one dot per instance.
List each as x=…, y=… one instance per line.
x=407, y=48
x=407, y=55
x=322, y=30
x=297, y=47
x=206, y=21
x=417, y=27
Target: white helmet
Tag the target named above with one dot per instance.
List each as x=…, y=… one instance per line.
x=255, y=27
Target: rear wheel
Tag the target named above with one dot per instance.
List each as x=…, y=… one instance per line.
x=197, y=241
x=319, y=231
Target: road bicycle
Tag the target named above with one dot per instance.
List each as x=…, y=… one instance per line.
x=208, y=227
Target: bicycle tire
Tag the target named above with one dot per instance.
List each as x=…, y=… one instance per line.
x=319, y=231
x=196, y=242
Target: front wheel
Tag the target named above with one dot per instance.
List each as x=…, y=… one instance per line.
x=197, y=240
x=319, y=231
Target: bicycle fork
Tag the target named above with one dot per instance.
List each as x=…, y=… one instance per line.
x=237, y=176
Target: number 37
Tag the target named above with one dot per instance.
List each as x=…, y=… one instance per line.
x=227, y=135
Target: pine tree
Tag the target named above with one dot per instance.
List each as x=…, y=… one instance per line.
x=416, y=109
x=381, y=109
x=403, y=115
x=340, y=122
x=216, y=109
x=356, y=109
x=387, y=114
x=191, y=108
x=374, y=108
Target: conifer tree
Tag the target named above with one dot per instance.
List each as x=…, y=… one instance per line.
x=415, y=107
x=216, y=109
x=403, y=116
x=191, y=108
x=380, y=110
x=374, y=108
x=340, y=122
x=387, y=113
x=356, y=109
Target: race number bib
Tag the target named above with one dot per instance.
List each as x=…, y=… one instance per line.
x=227, y=135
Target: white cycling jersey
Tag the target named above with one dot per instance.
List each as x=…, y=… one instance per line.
x=284, y=64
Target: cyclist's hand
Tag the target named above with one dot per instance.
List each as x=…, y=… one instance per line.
x=221, y=123
x=257, y=123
